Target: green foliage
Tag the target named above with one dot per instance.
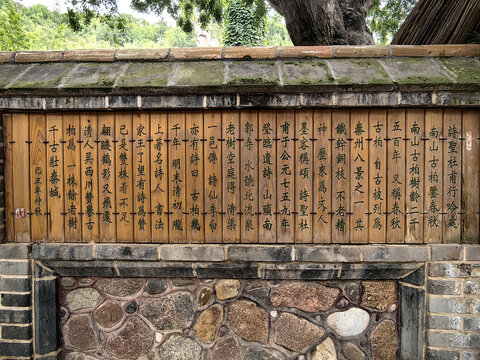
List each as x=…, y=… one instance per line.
x=13, y=35
x=386, y=17
x=242, y=28
x=277, y=34
x=38, y=28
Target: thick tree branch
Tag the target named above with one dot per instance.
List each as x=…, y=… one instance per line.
x=326, y=22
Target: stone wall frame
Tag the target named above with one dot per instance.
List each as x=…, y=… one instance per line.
x=74, y=260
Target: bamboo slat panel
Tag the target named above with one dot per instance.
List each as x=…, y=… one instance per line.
x=72, y=179
x=231, y=176
x=415, y=153
x=359, y=177
x=341, y=191
x=159, y=177
x=254, y=176
x=285, y=176
x=249, y=176
x=124, y=174
x=433, y=200
x=213, y=175
x=267, y=176
x=107, y=177
x=377, y=224
x=322, y=184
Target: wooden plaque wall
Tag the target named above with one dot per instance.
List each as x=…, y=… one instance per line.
x=303, y=176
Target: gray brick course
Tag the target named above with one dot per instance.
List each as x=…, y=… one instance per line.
x=458, y=305
x=14, y=251
x=13, y=284
x=446, y=252
x=473, y=253
x=431, y=354
x=443, y=287
x=15, y=350
x=392, y=253
x=16, y=332
x=62, y=252
x=444, y=322
x=15, y=316
x=453, y=340
x=472, y=287
x=455, y=270
x=327, y=253
x=192, y=253
x=14, y=268
x=16, y=300
x=126, y=252
x=471, y=324
x=260, y=253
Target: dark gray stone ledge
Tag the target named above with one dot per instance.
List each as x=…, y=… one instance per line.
x=346, y=99
x=240, y=270
x=401, y=253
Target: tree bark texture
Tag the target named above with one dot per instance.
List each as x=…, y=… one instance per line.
x=326, y=22
x=440, y=22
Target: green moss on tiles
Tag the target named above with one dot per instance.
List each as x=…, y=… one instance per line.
x=306, y=73
x=463, y=70
x=259, y=73
x=236, y=81
x=145, y=74
x=345, y=80
x=423, y=80
x=360, y=71
x=40, y=76
x=206, y=73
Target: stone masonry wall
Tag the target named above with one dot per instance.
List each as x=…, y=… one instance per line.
x=453, y=318
x=438, y=299
x=187, y=319
x=15, y=302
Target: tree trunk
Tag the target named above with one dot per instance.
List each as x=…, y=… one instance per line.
x=326, y=22
x=440, y=22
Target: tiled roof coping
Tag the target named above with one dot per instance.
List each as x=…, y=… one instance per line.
x=235, y=53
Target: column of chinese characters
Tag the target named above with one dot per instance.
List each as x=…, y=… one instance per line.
x=358, y=174
x=452, y=171
x=231, y=176
x=323, y=172
x=106, y=175
x=340, y=176
x=268, y=176
x=158, y=176
x=72, y=180
x=37, y=192
x=396, y=181
x=415, y=183
x=434, y=188
x=123, y=176
x=88, y=145
x=377, y=196
x=303, y=161
x=193, y=168
x=249, y=180
x=53, y=164
x=176, y=179
x=212, y=152
x=141, y=185
x=285, y=175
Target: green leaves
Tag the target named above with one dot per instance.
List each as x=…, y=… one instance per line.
x=245, y=23
x=386, y=16
x=13, y=35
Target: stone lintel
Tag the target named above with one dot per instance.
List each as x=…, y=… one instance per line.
x=328, y=254
x=243, y=101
